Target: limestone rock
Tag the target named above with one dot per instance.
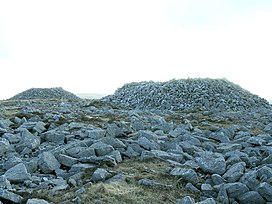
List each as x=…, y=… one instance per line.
x=17, y=174
x=47, y=162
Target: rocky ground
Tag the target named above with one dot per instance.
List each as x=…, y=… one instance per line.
x=97, y=151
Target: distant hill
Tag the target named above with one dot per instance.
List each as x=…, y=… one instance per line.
x=90, y=95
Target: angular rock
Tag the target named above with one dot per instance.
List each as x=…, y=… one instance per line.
x=212, y=163
x=256, y=141
x=53, y=136
x=28, y=140
x=191, y=188
x=188, y=175
x=264, y=173
x=103, y=160
x=116, y=179
x=116, y=155
x=251, y=197
x=12, y=138
x=82, y=167
x=217, y=179
x=4, y=146
x=131, y=153
x=207, y=190
x=186, y=200
x=234, y=172
x=100, y=175
x=227, y=147
x=17, y=174
x=219, y=136
x=12, y=197
x=4, y=183
x=96, y=133
x=48, y=163
x=78, y=152
x=222, y=196
x=36, y=201
x=250, y=179
x=207, y=201
x=236, y=189
x=147, y=144
x=66, y=160
x=114, y=142
x=265, y=190
x=101, y=148
x=11, y=162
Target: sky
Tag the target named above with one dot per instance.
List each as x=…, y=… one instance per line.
x=89, y=46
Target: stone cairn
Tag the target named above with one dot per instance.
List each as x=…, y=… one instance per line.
x=215, y=137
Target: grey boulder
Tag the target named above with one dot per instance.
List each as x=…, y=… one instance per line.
x=17, y=174
x=47, y=162
x=251, y=197
x=186, y=200
x=100, y=175
x=7, y=195
x=265, y=190
x=101, y=148
x=4, y=146
x=188, y=175
x=234, y=172
x=36, y=201
x=212, y=163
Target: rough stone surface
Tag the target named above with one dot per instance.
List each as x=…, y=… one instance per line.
x=234, y=172
x=186, y=200
x=251, y=197
x=36, y=201
x=102, y=149
x=4, y=146
x=17, y=173
x=236, y=189
x=265, y=190
x=213, y=163
x=188, y=175
x=10, y=196
x=100, y=175
x=48, y=163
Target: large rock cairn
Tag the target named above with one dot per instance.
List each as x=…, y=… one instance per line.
x=182, y=94
x=45, y=93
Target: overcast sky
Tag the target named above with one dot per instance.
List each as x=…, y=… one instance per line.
x=95, y=46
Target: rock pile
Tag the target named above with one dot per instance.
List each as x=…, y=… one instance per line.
x=207, y=94
x=45, y=93
x=220, y=157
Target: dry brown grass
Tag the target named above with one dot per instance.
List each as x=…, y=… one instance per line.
x=127, y=191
